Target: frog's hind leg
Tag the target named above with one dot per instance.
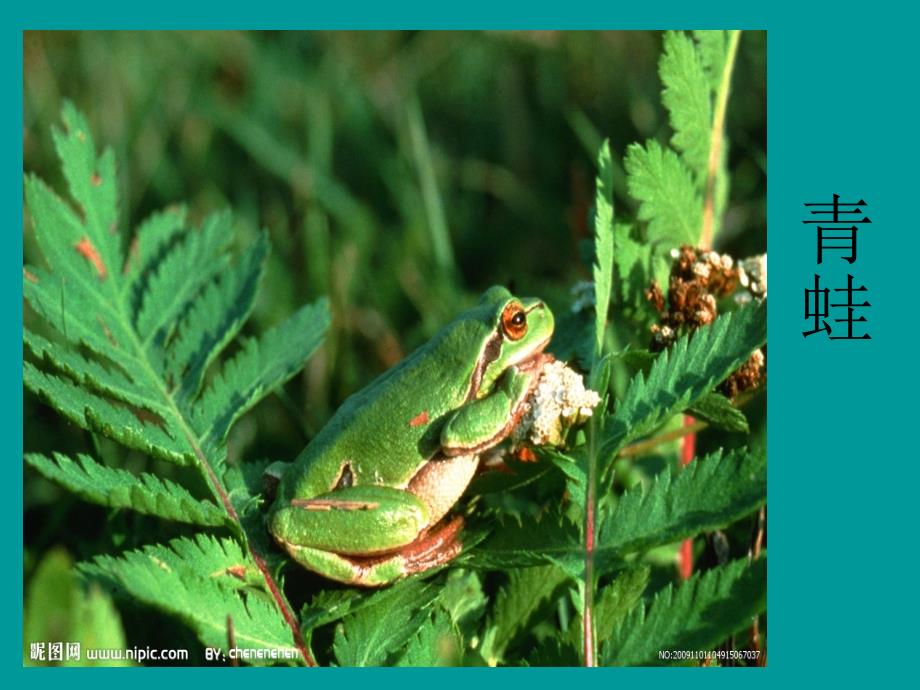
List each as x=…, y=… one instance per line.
x=433, y=547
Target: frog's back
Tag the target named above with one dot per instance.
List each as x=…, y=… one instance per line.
x=386, y=431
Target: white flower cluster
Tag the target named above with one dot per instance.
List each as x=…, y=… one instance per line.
x=752, y=273
x=559, y=402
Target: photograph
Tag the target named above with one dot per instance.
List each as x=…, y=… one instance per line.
x=397, y=348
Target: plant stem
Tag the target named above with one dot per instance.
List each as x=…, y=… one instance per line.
x=715, y=141
x=590, y=509
x=641, y=447
x=687, y=451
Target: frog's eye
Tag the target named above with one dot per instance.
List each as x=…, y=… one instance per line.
x=514, y=321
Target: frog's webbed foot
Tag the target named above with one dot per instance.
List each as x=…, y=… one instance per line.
x=434, y=547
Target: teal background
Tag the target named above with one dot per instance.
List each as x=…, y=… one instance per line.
x=842, y=472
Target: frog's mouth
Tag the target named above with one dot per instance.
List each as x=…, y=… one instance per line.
x=535, y=357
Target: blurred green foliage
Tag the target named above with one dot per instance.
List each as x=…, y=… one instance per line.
x=399, y=173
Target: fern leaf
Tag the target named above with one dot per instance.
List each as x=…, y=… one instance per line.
x=135, y=395
x=710, y=493
x=152, y=239
x=132, y=427
x=120, y=489
x=667, y=195
x=369, y=636
x=92, y=375
x=687, y=98
x=683, y=374
x=603, y=244
x=192, y=264
x=698, y=614
x=135, y=335
x=214, y=319
x=92, y=184
x=261, y=366
x=197, y=581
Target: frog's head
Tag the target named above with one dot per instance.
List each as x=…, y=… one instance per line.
x=522, y=328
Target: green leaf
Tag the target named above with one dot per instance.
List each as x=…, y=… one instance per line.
x=190, y=265
x=719, y=411
x=214, y=319
x=688, y=99
x=116, y=488
x=712, y=47
x=667, y=195
x=680, y=376
x=152, y=238
x=141, y=389
x=92, y=184
x=56, y=608
x=552, y=538
x=134, y=428
x=616, y=600
x=603, y=244
x=435, y=644
x=638, y=264
x=698, y=614
x=388, y=621
x=261, y=366
x=709, y=493
x=200, y=581
x=133, y=334
x=526, y=592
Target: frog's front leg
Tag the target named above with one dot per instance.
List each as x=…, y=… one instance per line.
x=481, y=424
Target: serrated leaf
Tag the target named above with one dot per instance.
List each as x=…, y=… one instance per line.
x=116, y=488
x=683, y=374
x=387, y=621
x=261, y=366
x=603, y=244
x=719, y=411
x=526, y=591
x=709, y=493
x=687, y=98
x=197, y=581
x=214, y=319
x=712, y=46
x=132, y=395
x=667, y=195
x=697, y=614
x=528, y=542
x=435, y=644
x=616, y=600
x=151, y=240
x=92, y=184
x=184, y=270
x=129, y=426
x=121, y=365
